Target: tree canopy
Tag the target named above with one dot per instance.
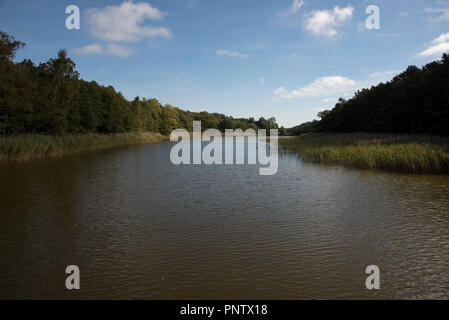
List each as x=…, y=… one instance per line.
x=50, y=98
x=415, y=101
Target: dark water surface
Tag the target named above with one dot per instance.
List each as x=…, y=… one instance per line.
x=139, y=227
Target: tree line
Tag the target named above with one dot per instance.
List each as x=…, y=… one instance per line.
x=50, y=98
x=415, y=101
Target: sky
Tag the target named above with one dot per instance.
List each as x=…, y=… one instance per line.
x=246, y=58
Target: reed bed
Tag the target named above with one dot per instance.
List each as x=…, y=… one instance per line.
x=398, y=153
x=33, y=146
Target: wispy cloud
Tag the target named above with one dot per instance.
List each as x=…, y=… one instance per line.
x=444, y=37
x=124, y=23
x=98, y=49
x=329, y=89
x=327, y=100
x=440, y=14
x=234, y=54
x=321, y=87
x=88, y=50
x=192, y=3
x=114, y=49
x=294, y=8
x=437, y=47
x=326, y=22
x=384, y=75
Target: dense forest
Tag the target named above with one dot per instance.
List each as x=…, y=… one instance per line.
x=50, y=98
x=414, y=102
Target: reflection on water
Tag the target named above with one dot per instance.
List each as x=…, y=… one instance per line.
x=140, y=227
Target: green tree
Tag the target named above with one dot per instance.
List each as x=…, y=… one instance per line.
x=169, y=119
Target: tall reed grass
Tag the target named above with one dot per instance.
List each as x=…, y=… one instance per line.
x=399, y=153
x=29, y=146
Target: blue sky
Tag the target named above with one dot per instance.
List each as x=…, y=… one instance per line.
x=286, y=58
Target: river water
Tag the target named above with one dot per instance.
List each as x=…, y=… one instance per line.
x=140, y=227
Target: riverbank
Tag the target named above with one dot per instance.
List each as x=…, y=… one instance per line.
x=30, y=146
x=398, y=153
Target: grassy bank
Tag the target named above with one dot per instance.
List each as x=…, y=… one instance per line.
x=399, y=153
x=26, y=147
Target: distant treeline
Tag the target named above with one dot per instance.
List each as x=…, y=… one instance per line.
x=51, y=99
x=414, y=102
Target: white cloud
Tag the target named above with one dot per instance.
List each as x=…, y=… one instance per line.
x=318, y=109
x=439, y=46
x=442, y=13
x=116, y=50
x=88, y=50
x=294, y=8
x=444, y=37
x=110, y=49
x=123, y=23
x=262, y=80
x=435, y=50
x=321, y=87
x=231, y=54
x=384, y=75
x=343, y=13
x=325, y=22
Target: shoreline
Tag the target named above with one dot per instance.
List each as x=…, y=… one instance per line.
x=410, y=154
x=28, y=147
x=400, y=153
